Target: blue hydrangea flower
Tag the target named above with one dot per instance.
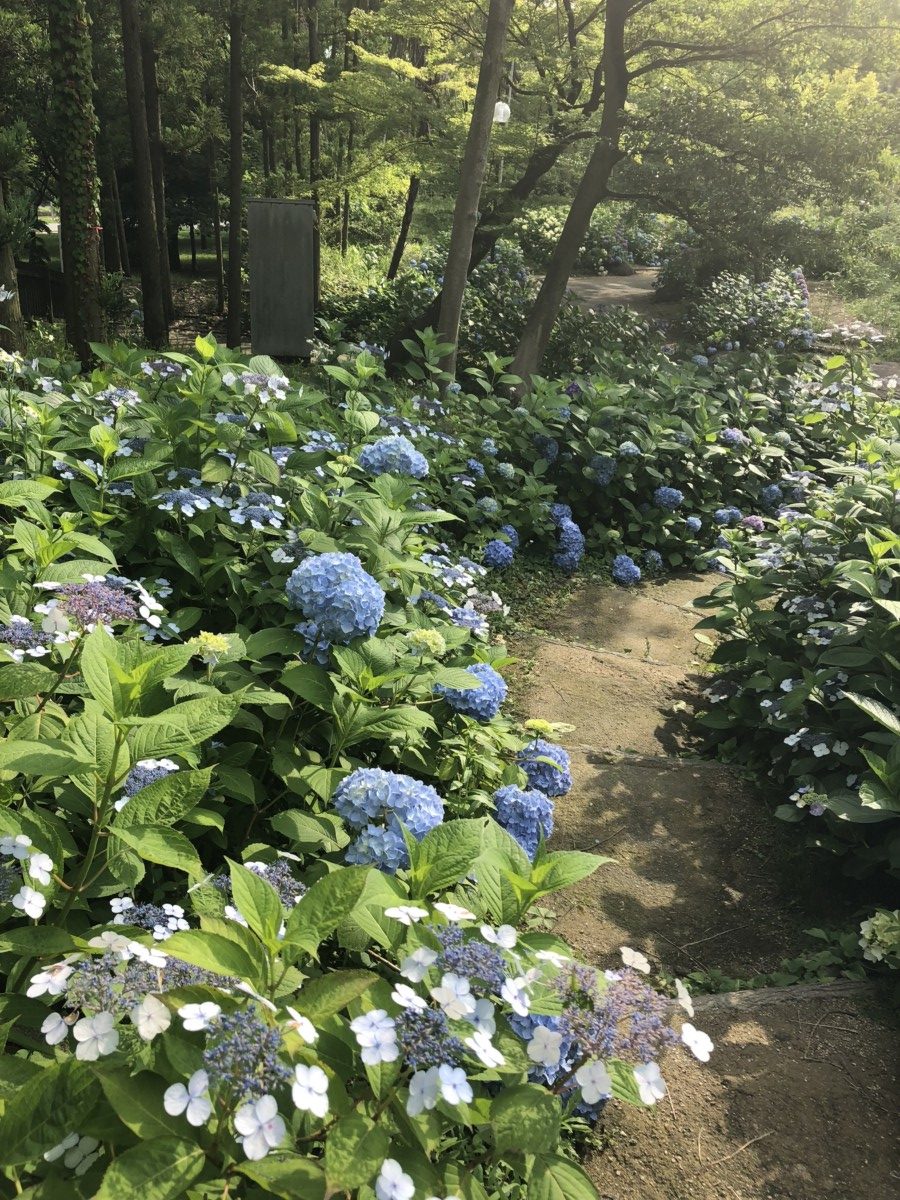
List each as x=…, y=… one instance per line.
x=511, y=534
x=334, y=592
x=603, y=468
x=668, y=497
x=560, y=512
x=506, y=471
x=475, y=468
x=771, y=495
x=467, y=616
x=370, y=794
x=701, y=360
x=377, y=847
x=570, y=546
x=653, y=561
x=489, y=448
x=525, y=815
x=727, y=516
x=629, y=450
x=497, y=554
x=483, y=703
x=693, y=524
x=488, y=507
x=733, y=437
x=625, y=570
x=549, y=779
x=757, y=524
x=547, y=447
x=395, y=455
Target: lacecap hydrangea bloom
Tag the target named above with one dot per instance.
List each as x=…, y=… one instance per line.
x=337, y=595
x=625, y=570
x=553, y=778
x=668, y=497
x=394, y=455
x=482, y=702
x=526, y=815
x=497, y=554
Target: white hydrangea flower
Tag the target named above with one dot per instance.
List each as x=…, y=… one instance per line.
x=192, y=1100
x=684, y=997
x=150, y=1018
x=544, y=1047
x=454, y=912
x=301, y=1025
x=699, y=1043
x=55, y=1028
x=197, y=1017
x=40, y=867
x=404, y=995
x=406, y=914
x=51, y=981
x=424, y=1088
x=30, y=902
x=454, y=996
x=96, y=1036
x=393, y=1183
x=594, y=1081
x=259, y=1127
x=651, y=1085
x=376, y=1035
x=504, y=936
x=415, y=966
x=309, y=1090
x=635, y=960
x=455, y=1087
x=484, y=1049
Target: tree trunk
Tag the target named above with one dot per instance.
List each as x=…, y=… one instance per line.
x=474, y=164
x=158, y=165
x=590, y=192
x=156, y=328
x=264, y=142
x=192, y=233
x=235, y=172
x=345, y=210
x=120, y=222
x=75, y=129
x=13, y=336
x=112, y=256
x=315, y=141
x=173, y=249
x=217, y=229
x=406, y=222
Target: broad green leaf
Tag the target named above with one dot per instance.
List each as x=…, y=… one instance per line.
x=555, y=1178
x=92, y=736
x=354, y=1151
x=160, y=844
x=311, y=683
x=38, y=1117
x=562, y=868
x=51, y=758
x=289, y=1176
x=877, y=711
x=212, y=952
x=18, y=681
x=624, y=1084
x=257, y=902
x=36, y=941
x=446, y=854
x=101, y=673
x=525, y=1119
x=183, y=727
x=321, y=998
x=137, y=1102
x=165, y=801
x=328, y=902
x=160, y=1169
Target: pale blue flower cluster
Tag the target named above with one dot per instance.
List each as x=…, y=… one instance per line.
x=629, y=450
x=337, y=595
x=668, y=497
x=489, y=448
x=376, y=802
x=526, y=815
x=733, y=437
x=475, y=468
x=395, y=455
x=570, y=545
x=693, y=524
x=552, y=780
x=625, y=570
x=488, y=507
x=498, y=555
x=321, y=439
x=482, y=702
x=506, y=471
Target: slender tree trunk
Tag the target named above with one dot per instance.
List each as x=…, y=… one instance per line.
x=158, y=165
x=264, y=141
x=235, y=171
x=75, y=133
x=217, y=229
x=345, y=208
x=156, y=328
x=591, y=190
x=192, y=233
x=405, y=224
x=13, y=336
x=112, y=257
x=474, y=164
x=315, y=141
x=120, y=222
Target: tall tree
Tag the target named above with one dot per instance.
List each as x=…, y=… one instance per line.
x=235, y=169
x=594, y=182
x=156, y=329
x=12, y=326
x=472, y=171
x=157, y=159
x=75, y=129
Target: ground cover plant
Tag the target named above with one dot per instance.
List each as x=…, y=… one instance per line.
x=268, y=844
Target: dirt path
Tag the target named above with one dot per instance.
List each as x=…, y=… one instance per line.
x=703, y=881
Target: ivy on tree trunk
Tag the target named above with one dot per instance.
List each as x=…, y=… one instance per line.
x=75, y=131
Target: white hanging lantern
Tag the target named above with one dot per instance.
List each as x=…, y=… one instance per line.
x=502, y=113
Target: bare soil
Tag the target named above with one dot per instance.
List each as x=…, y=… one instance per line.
x=800, y=1098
